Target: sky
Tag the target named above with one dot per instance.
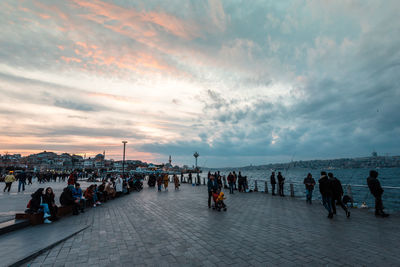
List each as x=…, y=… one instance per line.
x=241, y=82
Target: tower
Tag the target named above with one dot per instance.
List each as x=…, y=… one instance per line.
x=170, y=160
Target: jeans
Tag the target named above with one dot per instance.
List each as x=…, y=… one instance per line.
x=45, y=208
x=338, y=200
x=309, y=195
x=327, y=202
x=21, y=183
x=209, y=198
x=378, y=205
x=281, y=190
x=273, y=189
x=230, y=188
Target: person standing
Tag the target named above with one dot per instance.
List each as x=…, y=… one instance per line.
x=309, y=183
x=234, y=180
x=377, y=191
x=281, y=182
x=9, y=179
x=21, y=181
x=273, y=183
x=212, y=187
x=326, y=193
x=337, y=194
x=230, y=182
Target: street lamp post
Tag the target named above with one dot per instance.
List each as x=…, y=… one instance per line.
x=123, y=160
x=196, y=155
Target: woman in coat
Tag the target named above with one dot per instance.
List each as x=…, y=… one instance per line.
x=48, y=198
x=36, y=204
x=166, y=180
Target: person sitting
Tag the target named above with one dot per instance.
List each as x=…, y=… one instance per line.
x=36, y=205
x=220, y=202
x=97, y=194
x=101, y=190
x=110, y=190
x=67, y=199
x=77, y=194
x=48, y=198
x=90, y=195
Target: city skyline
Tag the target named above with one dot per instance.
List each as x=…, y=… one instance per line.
x=242, y=83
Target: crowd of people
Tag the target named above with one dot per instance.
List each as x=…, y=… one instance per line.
x=43, y=200
x=330, y=188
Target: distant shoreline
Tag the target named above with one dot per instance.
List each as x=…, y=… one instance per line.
x=342, y=163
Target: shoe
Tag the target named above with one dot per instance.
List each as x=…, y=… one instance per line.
x=82, y=211
x=348, y=214
x=330, y=215
x=94, y=205
x=46, y=215
x=47, y=221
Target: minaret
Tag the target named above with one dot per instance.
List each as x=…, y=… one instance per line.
x=170, y=160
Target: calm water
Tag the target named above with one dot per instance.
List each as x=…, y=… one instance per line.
x=355, y=177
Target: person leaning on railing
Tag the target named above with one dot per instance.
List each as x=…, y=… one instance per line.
x=376, y=190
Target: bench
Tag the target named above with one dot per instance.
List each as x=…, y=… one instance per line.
x=34, y=219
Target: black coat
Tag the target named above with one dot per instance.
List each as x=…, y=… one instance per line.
x=337, y=189
x=49, y=199
x=66, y=198
x=325, y=186
x=273, y=181
x=281, y=180
x=36, y=200
x=375, y=187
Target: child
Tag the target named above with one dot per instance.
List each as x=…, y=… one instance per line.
x=219, y=201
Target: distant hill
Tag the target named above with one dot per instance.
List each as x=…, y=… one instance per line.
x=343, y=163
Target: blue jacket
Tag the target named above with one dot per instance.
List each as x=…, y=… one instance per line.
x=77, y=193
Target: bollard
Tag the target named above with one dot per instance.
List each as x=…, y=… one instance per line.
x=291, y=190
x=255, y=186
x=266, y=187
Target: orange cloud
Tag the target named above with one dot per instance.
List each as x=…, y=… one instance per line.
x=142, y=23
x=71, y=59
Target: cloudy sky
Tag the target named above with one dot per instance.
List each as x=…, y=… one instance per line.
x=241, y=82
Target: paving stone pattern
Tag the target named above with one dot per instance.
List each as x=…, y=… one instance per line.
x=176, y=228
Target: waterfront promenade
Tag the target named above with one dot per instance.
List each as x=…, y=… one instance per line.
x=176, y=228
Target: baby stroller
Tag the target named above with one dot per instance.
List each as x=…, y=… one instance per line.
x=219, y=201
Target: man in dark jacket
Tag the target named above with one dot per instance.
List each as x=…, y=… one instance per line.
x=230, y=182
x=309, y=182
x=326, y=193
x=376, y=190
x=67, y=199
x=337, y=194
x=273, y=183
x=281, y=181
x=212, y=186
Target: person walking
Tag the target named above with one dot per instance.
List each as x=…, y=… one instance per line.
x=212, y=187
x=21, y=181
x=281, y=182
x=9, y=179
x=273, y=183
x=326, y=193
x=309, y=183
x=176, y=182
x=337, y=194
x=377, y=191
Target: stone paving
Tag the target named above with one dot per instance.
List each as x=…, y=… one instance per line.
x=176, y=228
